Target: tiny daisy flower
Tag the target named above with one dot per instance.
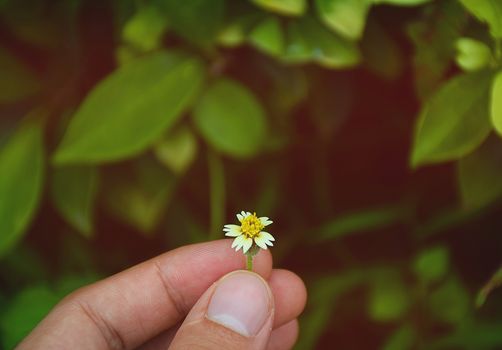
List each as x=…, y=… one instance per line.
x=249, y=231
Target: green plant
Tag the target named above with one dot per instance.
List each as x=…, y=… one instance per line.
x=132, y=127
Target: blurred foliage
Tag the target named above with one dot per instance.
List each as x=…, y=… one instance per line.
x=369, y=130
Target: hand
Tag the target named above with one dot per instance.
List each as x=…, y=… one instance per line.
x=191, y=297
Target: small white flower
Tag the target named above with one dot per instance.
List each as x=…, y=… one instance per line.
x=250, y=230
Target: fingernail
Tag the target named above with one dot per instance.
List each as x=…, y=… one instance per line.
x=241, y=302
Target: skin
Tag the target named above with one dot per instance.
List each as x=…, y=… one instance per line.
x=161, y=303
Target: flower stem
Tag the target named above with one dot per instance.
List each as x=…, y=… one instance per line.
x=249, y=262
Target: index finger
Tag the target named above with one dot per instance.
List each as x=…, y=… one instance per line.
x=125, y=310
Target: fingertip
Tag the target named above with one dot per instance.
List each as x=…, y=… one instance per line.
x=290, y=295
x=284, y=337
x=263, y=263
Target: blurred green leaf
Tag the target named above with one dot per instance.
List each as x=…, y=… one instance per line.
x=476, y=336
x=356, y=222
x=472, y=55
x=308, y=41
x=283, y=7
x=381, y=53
x=450, y=302
x=21, y=181
x=401, y=2
x=431, y=264
x=479, y=175
x=496, y=103
x=288, y=88
x=346, y=17
x=231, y=119
x=433, y=36
x=494, y=282
x=454, y=121
x=126, y=112
x=17, y=81
x=197, y=20
x=24, y=266
x=73, y=192
x=235, y=31
x=177, y=150
x=30, y=22
x=139, y=195
x=488, y=11
x=24, y=312
x=388, y=300
x=444, y=221
x=145, y=29
x=268, y=37
x=402, y=339
x=323, y=296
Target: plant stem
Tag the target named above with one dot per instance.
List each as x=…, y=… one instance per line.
x=249, y=262
x=217, y=193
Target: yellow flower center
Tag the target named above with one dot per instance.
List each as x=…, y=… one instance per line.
x=251, y=226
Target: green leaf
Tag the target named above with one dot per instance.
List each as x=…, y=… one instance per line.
x=308, y=41
x=361, y=221
x=283, y=7
x=433, y=37
x=24, y=312
x=197, y=20
x=401, y=2
x=472, y=55
x=21, y=180
x=323, y=295
x=381, y=52
x=177, y=150
x=450, y=303
x=268, y=37
x=488, y=11
x=345, y=17
x=479, y=175
x=494, y=282
x=432, y=264
x=475, y=336
x=74, y=191
x=139, y=194
x=231, y=119
x=17, y=81
x=496, y=103
x=235, y=31
x=454, y=121
x=130, y=109
x=388, y=299
x=402, y=339
x=145, y=29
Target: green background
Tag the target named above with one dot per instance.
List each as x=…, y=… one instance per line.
x=368, y=130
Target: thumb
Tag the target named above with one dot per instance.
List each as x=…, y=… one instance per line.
x=234, y=313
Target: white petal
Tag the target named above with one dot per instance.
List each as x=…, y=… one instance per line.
x=248, y=242
x=240, y=217
x=267, y=235
x=265, y=221
x=231, y=228
x=269, y=243
x=238, y=242
x=260, y=241
x=233, y=233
